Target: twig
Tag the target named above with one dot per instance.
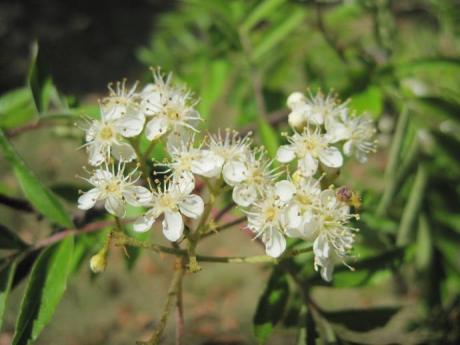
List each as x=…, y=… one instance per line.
x=224, y=227
x=223, y=211
x=172, y=293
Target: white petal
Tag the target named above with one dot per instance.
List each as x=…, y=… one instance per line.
x=234, y=172
x=276, y=243
x=192, y=206
x=184, y=182
x=156, y=127
x=88, y=199
x=321, y=247
x=115, y=206
x=328, y=198
x=129, y=126
x=348, y=148
x=173, y=226
x=308, y=165
x=244, y=194
x=327, y=270
x=123, y=152
x=337, y=132
x=293, y=217
x=285, y=190
x=208, y=164
x=100, y=176
x=331, y=157
x=285, y=154
x=144, y=223
x=96, y=154
x=137, y=195
x=316, y=118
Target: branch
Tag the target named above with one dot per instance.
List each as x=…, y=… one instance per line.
x=172, y=293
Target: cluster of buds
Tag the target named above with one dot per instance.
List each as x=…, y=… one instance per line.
x=281, y=199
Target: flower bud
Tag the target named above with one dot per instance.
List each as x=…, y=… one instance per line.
x=295, y=98
x=297, y=120
x=98, y=262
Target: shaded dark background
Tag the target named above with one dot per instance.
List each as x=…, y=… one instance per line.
x=85, y=42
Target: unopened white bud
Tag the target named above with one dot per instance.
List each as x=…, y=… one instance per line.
x=297, y=120
x=295, y=98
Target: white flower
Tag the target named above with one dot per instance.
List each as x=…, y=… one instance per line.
x=232, y=151
x=267, y=220
x=172, y=201
x=122, y=101
x=309, y=147
x=313, y=110
x=301, y=216
x=170, y=107
x=115, y=190
x=187, y=160
x=334, y=235
x=358, y=133
x=104, y=137
x=250, y=178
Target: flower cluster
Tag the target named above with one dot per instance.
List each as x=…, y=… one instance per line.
x=282, y=198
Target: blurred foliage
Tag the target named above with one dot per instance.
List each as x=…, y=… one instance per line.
x=398, y=60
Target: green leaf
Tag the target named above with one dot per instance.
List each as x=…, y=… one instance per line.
x=16, y=108
x=264, y=9
x=39, y=81
x=277, y=34
x=269, y=137
x=370, y=100
x=9, y=239
x=271, y=305
x=47, y=283
x=38, y=195
x=6, y=279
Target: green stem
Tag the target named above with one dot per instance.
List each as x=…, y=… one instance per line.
x=393, y=161
x=121, y=240
x=149, y=149
x=412, y=208
x=141, y=162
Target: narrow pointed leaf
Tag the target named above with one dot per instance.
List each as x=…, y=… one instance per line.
x=6, y=278
x=39, y=196
x=47, y=283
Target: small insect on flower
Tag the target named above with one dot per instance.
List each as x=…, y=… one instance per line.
x=115, y=189
x=104, y=137
x=172, y=200
x=266, y=218
x=334, y=235
x=309, y=147
x=171, y=108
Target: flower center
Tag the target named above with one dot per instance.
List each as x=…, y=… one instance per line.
x=270, y=214
x=112, y=187
x=106, y=133
x=167, y=202
x=172, y=113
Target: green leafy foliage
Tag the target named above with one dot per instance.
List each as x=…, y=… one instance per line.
x=7, y=271
x=271, y=305
x=47, y=283
x=38, y=195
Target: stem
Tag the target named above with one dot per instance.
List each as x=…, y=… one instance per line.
x=224, y=227
x=141, y=162
x=121, y=239
x=223, y=211
x=412, y=208
x=149, y=150
x=172, y=293
x=180, y=312
x=393, y=161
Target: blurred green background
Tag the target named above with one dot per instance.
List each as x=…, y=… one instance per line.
x=385, y=55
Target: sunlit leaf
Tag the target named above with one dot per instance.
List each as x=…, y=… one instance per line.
x=47, y=283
